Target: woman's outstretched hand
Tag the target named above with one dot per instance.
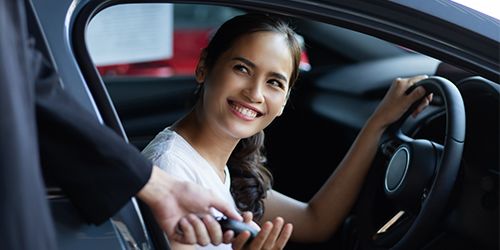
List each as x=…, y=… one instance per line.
x=272, y=235
x=178, y=205
x=396, y=101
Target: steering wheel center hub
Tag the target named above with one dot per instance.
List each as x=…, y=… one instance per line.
x=410, y=171
x=396, y=170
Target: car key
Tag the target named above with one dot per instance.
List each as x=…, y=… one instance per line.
x=237, y=226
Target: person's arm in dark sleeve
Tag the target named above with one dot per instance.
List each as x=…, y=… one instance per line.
x=100, y=172
x=94, y=166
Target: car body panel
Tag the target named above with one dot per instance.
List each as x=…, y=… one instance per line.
x=63, y=23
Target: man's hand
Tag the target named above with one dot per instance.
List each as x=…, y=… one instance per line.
x=174, y=204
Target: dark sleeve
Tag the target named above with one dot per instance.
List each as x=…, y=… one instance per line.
x=96, y=168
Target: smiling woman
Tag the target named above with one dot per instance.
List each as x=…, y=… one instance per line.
x=241, y=91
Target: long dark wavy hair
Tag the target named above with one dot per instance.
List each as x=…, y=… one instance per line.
x=250, y=179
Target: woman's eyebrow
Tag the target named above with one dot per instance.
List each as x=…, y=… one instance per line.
x=279, y=76
x=244, y=60
x=252, y=65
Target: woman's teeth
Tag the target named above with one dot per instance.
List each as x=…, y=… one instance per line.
x=245, y=111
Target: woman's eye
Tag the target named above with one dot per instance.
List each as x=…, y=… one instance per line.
x=241, y=68
x=276, y=83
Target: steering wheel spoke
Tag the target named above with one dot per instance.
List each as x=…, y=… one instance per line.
x=393, y=229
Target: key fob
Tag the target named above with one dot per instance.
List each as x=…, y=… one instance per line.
x=237, y=226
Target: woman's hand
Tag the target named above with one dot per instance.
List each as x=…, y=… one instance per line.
x=272, y=235
x=177, y=205
x=396, y=101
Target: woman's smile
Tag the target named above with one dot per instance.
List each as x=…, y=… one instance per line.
x=244, y=112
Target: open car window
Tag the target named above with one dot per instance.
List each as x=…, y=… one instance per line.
x=156, y=40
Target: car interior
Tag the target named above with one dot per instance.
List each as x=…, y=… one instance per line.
x=347, y=75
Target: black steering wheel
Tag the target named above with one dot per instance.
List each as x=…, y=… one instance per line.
x=420, y=174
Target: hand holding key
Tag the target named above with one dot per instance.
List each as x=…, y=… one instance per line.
x=272, y=235
x=238, y=227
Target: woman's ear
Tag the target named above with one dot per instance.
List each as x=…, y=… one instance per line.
x=200, y=72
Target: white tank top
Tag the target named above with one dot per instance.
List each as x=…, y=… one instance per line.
x=172, y=153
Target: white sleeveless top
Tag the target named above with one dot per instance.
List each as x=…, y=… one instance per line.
x=173, y=154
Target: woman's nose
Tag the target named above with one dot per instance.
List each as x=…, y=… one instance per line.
x=254, y=93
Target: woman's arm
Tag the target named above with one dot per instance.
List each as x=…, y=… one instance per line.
x=320, y=218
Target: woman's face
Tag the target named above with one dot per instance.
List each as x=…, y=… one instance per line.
x=248, y=85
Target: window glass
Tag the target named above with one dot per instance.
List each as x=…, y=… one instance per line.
x=152, y=39
x=158, y=40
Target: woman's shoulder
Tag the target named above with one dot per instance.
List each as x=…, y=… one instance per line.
x=160, y=145
x=167, y=151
